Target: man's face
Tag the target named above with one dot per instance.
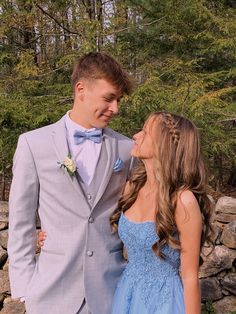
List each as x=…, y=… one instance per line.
x=96, y=103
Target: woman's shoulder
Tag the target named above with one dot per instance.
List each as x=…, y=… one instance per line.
x=187, y=206
x=186, y=197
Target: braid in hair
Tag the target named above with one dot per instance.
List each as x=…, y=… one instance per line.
x=172, y=125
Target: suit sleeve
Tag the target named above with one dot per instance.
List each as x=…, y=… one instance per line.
x=133, y=163
x=23, y=204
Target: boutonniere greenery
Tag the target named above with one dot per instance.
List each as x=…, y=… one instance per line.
x=69, y=165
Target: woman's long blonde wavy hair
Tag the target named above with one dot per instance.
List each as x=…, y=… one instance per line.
x=178, y=166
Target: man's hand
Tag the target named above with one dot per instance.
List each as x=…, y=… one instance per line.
x=41, y=238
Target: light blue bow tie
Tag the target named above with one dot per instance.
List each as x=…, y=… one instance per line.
x=80, y=137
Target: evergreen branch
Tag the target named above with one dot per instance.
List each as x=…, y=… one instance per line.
x=229, y=122
x=144, y=9
x=52, y=71
x=32, y=77
x=233, y=120
x=222, y=114
x=24, y=45
x=48, y=35
x=187, y=94
x=65, y=100
x=127, y=28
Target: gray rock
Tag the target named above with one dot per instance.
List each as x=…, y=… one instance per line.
x=225, y=218
x=6, y=265
x=3, y=256
x=225, y=292
x=232, y=254
x=219, y=259
x=226, y=205
x=221, y=275
x=216, y=233
x=206, y=251
x=1, y=299
x=226, y=305
x=221, y=225
x=229, y=283
x=228, y=237
x=4, y=211
x=3, y=225
x=210, y=289
x=4, y=282
x=13, y=307
x=4, y=238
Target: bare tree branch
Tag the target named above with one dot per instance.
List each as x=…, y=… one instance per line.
x=56, y=21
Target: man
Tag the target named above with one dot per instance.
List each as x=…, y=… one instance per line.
x=71, y=172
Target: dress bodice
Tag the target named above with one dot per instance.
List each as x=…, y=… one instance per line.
x=138, y=238
x=145, y=271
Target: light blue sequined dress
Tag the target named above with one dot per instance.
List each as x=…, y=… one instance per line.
x=148, y=285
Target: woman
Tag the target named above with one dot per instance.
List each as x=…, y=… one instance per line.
x=163, y=219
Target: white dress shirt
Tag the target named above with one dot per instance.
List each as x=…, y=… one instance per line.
x=86, y=154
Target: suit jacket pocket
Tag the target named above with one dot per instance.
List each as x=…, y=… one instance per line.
x=52, y=252
x=47, y=275
x=117, y=249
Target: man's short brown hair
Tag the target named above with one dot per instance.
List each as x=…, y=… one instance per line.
x=97, y=65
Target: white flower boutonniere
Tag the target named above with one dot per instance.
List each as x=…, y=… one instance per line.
x=69, y=165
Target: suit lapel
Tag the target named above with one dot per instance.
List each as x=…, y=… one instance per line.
x=62, y=151
x=111, y=146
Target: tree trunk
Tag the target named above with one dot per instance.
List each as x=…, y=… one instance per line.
x=219, y=172
x=232, y=176
x=99, y=11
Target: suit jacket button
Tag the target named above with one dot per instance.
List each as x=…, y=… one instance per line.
x=89, y=253
x=89, y=196
x=91, y=220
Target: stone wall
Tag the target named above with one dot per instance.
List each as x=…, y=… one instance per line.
x=7, y=305
x=217, y=273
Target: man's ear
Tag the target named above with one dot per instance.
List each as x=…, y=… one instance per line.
x=79, y=89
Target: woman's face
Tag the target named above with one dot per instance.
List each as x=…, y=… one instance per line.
x=143, y=141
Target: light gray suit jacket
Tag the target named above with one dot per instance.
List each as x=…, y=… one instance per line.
x=81, y=258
